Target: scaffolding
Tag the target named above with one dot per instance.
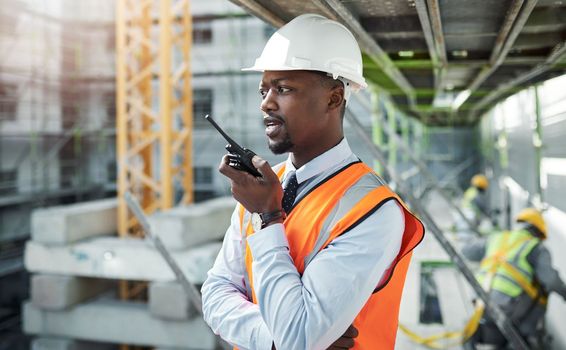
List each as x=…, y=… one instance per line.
x=154, y=147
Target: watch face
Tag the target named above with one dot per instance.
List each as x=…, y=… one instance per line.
x=256, y=222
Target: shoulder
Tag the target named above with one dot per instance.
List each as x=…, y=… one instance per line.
x=539, y=250
x=370, y=178
x=389, y=213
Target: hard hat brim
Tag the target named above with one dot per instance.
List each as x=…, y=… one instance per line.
x=357, y=84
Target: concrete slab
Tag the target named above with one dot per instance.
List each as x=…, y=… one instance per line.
x=72, y=223
x=188, y=226
x=168, y=300
x=117, y=322
x=118, y=258
x=48, y=343
x=57, y=292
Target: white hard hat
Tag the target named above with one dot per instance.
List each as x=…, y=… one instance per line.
x=314, y=42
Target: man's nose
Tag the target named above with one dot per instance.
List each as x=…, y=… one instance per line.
x=268, y=103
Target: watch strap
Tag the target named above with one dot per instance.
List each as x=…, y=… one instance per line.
x=267, y=218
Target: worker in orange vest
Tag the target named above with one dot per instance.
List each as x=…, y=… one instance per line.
x=318, y=247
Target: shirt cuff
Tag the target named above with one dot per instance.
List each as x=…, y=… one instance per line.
x=264, y=240
x=264, y=340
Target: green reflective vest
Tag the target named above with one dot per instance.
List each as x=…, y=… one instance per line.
x=506, y=264
x=468, y=199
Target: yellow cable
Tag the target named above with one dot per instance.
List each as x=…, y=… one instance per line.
x=432, y=340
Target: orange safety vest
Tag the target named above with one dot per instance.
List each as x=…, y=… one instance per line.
x=377, y=321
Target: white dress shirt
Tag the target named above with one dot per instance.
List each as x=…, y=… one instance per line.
x=300, y=312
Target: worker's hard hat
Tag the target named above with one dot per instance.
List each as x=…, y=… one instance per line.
x=533, y=217
x=313, y=42
x=480, y=181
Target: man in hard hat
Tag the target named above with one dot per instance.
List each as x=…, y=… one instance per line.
x=317, y=243
x=473, y=204
x=516, y=270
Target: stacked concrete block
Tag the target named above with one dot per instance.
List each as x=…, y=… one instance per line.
x=189, y=226
x=116, y=321
x=58, y=292
x=169, y=301
x=52, y=343
x=118, y=258
x=72, y=223
x=76, y=259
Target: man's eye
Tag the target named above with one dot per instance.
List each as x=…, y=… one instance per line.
x=263, y=93
x=283, y=90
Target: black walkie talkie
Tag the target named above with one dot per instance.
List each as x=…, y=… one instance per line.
x=240, y=158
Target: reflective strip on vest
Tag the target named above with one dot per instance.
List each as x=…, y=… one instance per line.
x=332, y=208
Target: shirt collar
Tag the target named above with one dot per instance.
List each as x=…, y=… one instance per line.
x=323, y=162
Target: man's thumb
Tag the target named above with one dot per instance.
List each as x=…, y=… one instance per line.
x=261, y=165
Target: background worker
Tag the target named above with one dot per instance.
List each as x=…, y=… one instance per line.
x=474, y=201
x=299, y=266
x=473, y=205
x=518, y=270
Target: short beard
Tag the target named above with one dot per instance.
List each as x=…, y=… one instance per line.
x=281, y=147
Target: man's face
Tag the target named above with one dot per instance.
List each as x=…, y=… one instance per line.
x=294, y=104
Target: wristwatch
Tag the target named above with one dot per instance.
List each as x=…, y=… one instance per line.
x=261, y=220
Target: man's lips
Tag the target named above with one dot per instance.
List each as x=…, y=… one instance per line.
x=273, y=125
x=272, y=120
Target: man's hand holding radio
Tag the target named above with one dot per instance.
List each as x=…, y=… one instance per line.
x=256, y=194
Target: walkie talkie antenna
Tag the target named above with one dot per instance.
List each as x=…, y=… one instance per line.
x=228, y=138
x=240, y=158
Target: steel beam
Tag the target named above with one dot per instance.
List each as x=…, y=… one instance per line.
x=557, y=53
x=548, y=19
x=509, y=61
x=510, y=29
x=530, y=41
x=397, y=24
x=436, y=25
x=427, y=31
x=336, y=9
x=429, y=16
x=259, y=11
x=512, y=25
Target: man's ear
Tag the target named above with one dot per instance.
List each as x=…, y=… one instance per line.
x=336, y=99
